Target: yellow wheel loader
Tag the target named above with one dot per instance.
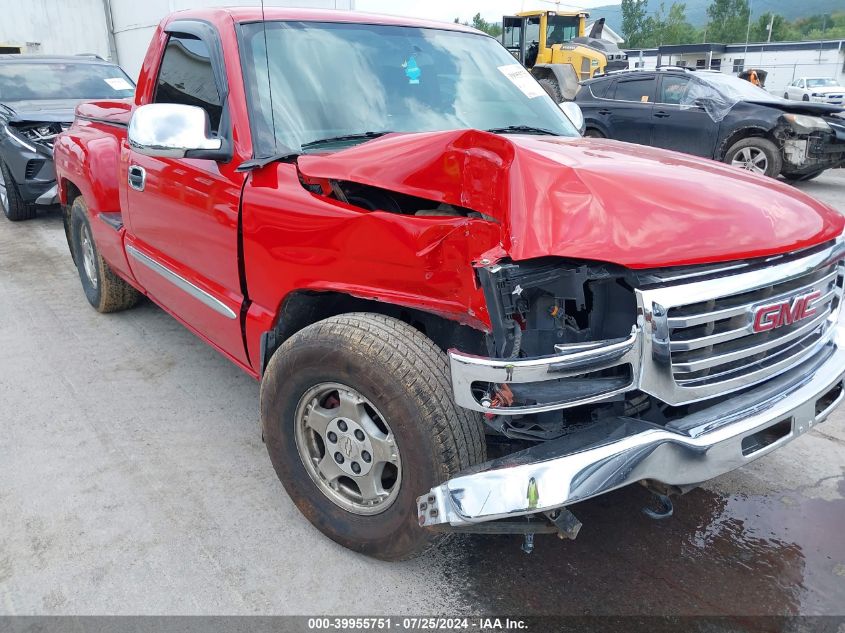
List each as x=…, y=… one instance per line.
x=554, y=47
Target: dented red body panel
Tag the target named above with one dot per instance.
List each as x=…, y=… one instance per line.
x=593, y=199
x=250, y=240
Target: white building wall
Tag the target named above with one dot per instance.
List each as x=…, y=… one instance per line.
x=54, y=27
x=134, y=22
x=782, y=64
x=68, y=27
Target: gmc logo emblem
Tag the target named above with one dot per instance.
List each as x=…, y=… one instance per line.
x=775, y=315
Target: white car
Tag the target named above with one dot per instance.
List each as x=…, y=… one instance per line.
x=819, y=89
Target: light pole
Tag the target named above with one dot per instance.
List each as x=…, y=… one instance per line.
x=748, y=26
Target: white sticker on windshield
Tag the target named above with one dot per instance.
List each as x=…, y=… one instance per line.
x=118, y=83
x=521, y=79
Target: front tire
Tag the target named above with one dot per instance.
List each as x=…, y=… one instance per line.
x=14, y=206
x=552, y=88
x=359, y=421
x=755, y=154
x=105, y=291
x=592, y=132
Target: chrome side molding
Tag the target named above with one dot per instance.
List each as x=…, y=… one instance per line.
x=181, y=283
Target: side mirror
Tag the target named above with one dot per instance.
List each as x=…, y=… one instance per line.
x=173, y=130
x=573, y=112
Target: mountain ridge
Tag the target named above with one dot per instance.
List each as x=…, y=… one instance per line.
x=696, y=10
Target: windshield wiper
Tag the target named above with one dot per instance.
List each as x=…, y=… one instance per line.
x=258, y=163
x=344, y=137
x=521, y=129
x=290, y=154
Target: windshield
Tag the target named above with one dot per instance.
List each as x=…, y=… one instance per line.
x=328, y=79
x=561, y=29
x=22, y=82
x=821, y=83
x=736, y=89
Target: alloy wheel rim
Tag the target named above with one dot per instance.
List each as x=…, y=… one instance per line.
x=348, y=449
x=88, y=262
x=751, y=159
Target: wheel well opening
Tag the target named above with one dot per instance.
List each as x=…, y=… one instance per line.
x=739, y=135
x=301, y=309
x=70, y=191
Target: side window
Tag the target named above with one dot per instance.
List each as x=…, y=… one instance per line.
x=800, y=83
x=186, y=77
x=673, y=89
x=635, y=90
x=599, y=88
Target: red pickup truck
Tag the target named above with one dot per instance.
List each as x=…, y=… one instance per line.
x=464, y=315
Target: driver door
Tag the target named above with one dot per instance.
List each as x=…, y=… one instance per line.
x=182, y=240
x=678, y=124
x=513, y=36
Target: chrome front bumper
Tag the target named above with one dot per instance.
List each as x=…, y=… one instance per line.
x=621, y=451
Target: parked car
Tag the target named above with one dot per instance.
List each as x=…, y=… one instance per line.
x=414, y=254
x=818, y=89
x=37, y=98
x=716, y=116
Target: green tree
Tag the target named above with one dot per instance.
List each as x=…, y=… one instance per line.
x=671, y=27
x=483, y=25
x=634, y=22
x=728, y=20
x=782, y=30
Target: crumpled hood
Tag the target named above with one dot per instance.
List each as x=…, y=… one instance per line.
x=593, y=199
x=47, y=110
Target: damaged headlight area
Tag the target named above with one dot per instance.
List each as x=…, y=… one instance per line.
x=564, y=344
x=805, y=124
x=31, y=136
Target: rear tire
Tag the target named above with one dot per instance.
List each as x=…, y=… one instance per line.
x=786, y=95
x=105, y=291
x=382, y=376
x=757, y=155
x=552, y=88
x=14, y=206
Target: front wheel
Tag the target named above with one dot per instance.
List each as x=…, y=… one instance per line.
x=552, y=88
x=13, y=205
x=755, y=154
x=359, y=421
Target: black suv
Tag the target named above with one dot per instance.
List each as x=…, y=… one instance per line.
x=38, y=95
x=715, y=115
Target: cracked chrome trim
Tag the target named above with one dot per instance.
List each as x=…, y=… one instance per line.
x=570, y=360
x=619, y=451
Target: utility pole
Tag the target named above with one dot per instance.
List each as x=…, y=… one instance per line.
x=748, y=26
x=770, y=28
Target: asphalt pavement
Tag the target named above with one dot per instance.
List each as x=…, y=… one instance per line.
x=133, y=480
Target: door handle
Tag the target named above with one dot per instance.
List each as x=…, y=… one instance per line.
x=660, y=114
x=604, y=111
x=137, y=177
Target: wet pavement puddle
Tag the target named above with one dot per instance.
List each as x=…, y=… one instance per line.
x=750, y=555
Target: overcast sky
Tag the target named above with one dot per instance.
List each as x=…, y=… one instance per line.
x=448, y=10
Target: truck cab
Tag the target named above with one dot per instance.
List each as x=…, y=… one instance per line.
x=463, y=315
